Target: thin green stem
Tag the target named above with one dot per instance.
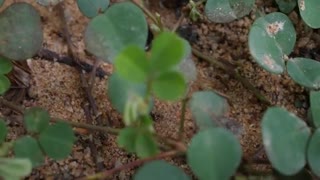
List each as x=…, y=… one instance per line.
x=147, y=12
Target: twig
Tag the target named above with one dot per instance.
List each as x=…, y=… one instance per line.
x=49, y=55
x=94, y=128
x=176, y=26
x=182, y=118
x=146, y=11
x=233, y=73
x=108, y=173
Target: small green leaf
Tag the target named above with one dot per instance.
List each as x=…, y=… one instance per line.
x=286, y=6
x=36, y=119
x=145, y=145
x=167, y=51
x=207, y=108
x=271, y=39
x=169, y=86
x=109, y=33
x=214, y=154
x=57, y=140
x=313, y=153
x=160, y=170
x=28, y=147
x=224, y=11
x=120, y=90
x=92, y=8
x=5, y=65
x=285, y=139
x=3, y=131
x=20, y=31
x=5, y=148
x=315, y=107
x=305, y=72
x=132, y=64
x=309, y=11
x=187, y=66
x=127, y=139
x=4, y=84
x=15, y=168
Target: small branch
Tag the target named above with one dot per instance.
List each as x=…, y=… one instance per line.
x=146, y=11
x=176, y=26
x=49, y=55
x=108, y=173
x=233, y=73
x=182, y=118
x=21, y=110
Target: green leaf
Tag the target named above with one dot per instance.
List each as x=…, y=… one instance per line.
x=57, y=140
x=121, y=25
x=286, y=6
x=224, y=11
x=5, y=65
x=214, y=154
x=20, y=31
x=145, y=145
x=5, y=148
x=1, y=2
x=160, y=170
x=127, y=139
x=4, y=84
x=313, y=153
x=132, y=64
x=28, y=147
x=169, y=86
x=3, y=131
x=285, y=139
x=187, y=66
x=309, y=11
x=305, y=72
x=92, y=8
x=207, y=108
x=167, y=51
x=36, y=119
x=315, y=107
x=271, y=39
x=15, y=168
x=120, y=90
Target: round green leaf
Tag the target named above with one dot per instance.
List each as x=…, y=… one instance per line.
x=313, y=153
x=57, y=140
x=5, y=65
x=309, y=11
x=286, y=6
x=92, y=8
x=4, y=84
x=187, y=66
x=207, y=108
x=169, y=86
x=20, y=31
x=224, y=11
x=28, y=147
x=160, y=170
x=285, y=138
x=167, y=51
x=109, y=33
x=271, y=39
x=145, y=145
x=214, y=154
x=3, y=131
x=36, y=119
x=14, y=168
x=305, y=72
x=120, y=90
x=315, y=107
x=127, y=137
x=132, y=64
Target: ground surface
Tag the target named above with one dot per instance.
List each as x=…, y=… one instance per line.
x=57, y=88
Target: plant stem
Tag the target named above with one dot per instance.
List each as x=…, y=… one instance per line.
x=233, y=73
x=108, y=173
x=147, y=12
x=74, y=124
x=182, y=118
